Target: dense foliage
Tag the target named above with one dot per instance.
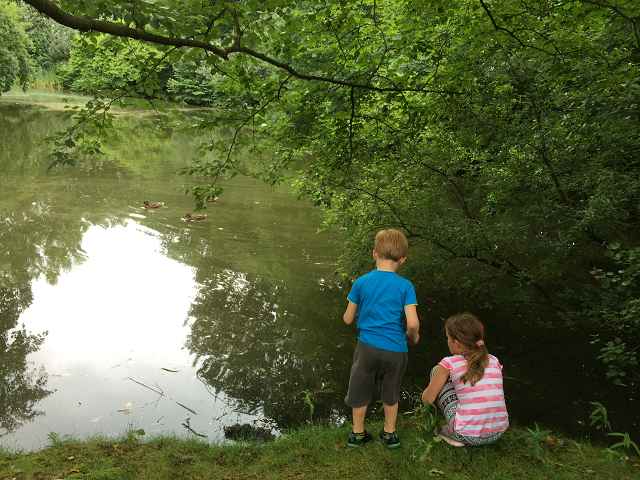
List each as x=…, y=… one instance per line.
x=50, y=42
x=14, y=44
x=107, y=65
x=102, y=64
x=502, y=136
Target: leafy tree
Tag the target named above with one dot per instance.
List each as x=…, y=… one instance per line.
x=50, y=41
x=103, y=65
x=502, y=136
x=14, y=45
x=193, y=83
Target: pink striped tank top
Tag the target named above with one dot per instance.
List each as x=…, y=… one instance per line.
x=481, y=408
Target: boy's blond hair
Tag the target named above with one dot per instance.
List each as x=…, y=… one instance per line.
x=391, y=244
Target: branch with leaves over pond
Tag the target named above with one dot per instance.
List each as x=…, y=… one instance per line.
x=87, y=24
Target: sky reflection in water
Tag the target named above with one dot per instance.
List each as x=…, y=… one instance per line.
x=122, y=314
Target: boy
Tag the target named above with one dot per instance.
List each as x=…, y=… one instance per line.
x=382, y=299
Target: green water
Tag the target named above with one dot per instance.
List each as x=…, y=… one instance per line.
x=134, y=318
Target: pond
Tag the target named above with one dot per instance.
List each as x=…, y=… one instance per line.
x=118, y=318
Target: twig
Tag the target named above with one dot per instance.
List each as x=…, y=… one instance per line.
x=159, y=392
x=186, y=408
x=188, y=427
x=500, y=28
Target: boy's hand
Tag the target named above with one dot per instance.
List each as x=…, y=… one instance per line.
x=413, y=339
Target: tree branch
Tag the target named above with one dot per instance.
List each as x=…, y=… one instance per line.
x=618, y=11
x=353, y=114
x=500, y=28
x=88, y=24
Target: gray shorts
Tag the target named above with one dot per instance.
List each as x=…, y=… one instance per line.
x=373, y=368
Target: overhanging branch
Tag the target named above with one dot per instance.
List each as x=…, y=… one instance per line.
x=88, y=24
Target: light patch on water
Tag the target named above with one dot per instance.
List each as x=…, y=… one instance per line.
x=115, y=346
x=126, y=297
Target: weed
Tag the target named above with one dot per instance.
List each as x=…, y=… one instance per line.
x=308, y=397
x=599, y=417
x=54, y=439
x=625, y=443
x=428, y=423
x=536, y=440
x=427, y=418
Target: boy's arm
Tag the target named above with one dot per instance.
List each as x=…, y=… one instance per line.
x=350, y=313
x=438, y=379
x=413, y=323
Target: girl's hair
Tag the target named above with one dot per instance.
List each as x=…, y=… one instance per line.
x=469, y=331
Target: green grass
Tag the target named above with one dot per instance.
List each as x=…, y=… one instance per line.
x=57, y=100
x=318, y=452
x=47, y=99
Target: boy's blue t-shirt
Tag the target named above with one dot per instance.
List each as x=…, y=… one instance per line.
x=381, y=297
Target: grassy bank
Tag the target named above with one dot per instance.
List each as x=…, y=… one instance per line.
x=321, y=453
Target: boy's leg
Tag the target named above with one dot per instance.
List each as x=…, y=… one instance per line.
x=358, y=414
x=395, y=364
x=390, y=417
x=361, y=386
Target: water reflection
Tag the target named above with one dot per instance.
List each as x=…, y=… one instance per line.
x=115, y=351
x=21, y=385
x=265, y=345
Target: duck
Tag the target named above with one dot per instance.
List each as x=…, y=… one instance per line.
x=147, y=204
x=194, y=217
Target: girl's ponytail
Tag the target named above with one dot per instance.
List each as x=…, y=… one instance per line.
x=469, y=331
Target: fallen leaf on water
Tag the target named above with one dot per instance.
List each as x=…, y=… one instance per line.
x=434, y=471
x=71, y=458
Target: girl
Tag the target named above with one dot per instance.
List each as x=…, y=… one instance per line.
x=467, y=386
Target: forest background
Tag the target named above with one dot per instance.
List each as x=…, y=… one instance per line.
x=503, y=137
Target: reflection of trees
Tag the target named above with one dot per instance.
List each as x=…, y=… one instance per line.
x=40, y=236
x=20, y=386
x=37, y=242
x=19, y=126
x=250, y=342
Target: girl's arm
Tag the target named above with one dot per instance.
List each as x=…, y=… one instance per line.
x=438, y=379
